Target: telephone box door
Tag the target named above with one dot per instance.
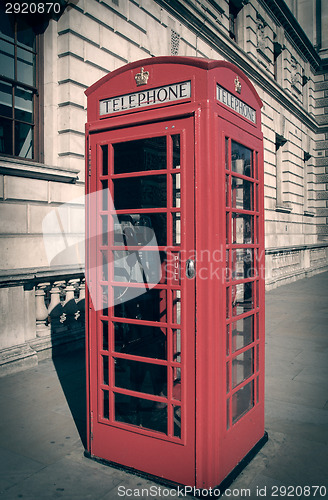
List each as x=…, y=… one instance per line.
x=142, y=319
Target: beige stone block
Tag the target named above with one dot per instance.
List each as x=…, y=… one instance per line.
x=76, y=21
x=121, y=6
x=37, y=214
x=1, y=186
x=152, y=8
x=99, y=57
x=137, y=16
x=188, y=36
x=13, y=218
x=136, y=53
x=77, y=219
x=20, y=188
x=100, y=12
x=72, y=118
x=69, y=92
x=158, y=38
x=71, y=143
x=127, y=30
x=73, y=162
x=66, y=193
x=70, y=43
x=12, y=316
x=22, y=252
x=79, y=71
x=186, y=50
x=114, y=43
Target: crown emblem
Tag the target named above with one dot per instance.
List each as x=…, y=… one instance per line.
x=237, y=85
x=142, y=77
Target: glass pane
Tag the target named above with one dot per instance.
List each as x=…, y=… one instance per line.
x=227, y=153
x=25, y=34
x=141, y=377
x=143, y=154
x=228, y=340
x=104, y=269
x=139, y=266
x=106, y=404
x=6, y=99
x=6, y=25
x=141, y=412
x=241, y=159
x=140, y=229
x=228, y=271
x=104, y=230
x=105, y=370
x=23, y=105
x=25, y=66
x=7, y=59
x=105, y=335
x=140, y=340
x=228, y=377
x=242, y=263
x=242, y=298
x=104, y=291
x=137, y=303
x=104, y=195
x=242, y=401
x=241, y=193
x=176, y=190
x=242, y=333
x=23, y=140
x=176, y=309
x=242, y=228
x=227, y=301
x=104, y=159
x=176, y=392
x=228, y=413
x=242, y=367
x=6, y=136
x=176, y=151
x=227, y=190
x=176, y=236
x=140, y=192
x=176, y=345
x=177, y=421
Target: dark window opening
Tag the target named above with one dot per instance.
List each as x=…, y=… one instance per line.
x=19, y=88
x=235, y=7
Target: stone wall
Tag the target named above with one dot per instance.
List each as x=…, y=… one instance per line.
x=94, y=37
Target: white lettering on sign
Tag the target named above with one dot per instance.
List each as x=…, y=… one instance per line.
x=236, y=104
x=160, y=95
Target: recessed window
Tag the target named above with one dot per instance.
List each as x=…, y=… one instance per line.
x=18, y=88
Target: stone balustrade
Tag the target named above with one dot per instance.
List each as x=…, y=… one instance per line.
x=59, y=306
x=43, y=314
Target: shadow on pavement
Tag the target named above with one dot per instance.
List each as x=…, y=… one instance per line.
x=71, y=372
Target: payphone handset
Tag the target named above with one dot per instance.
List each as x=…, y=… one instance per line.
x=135, y=264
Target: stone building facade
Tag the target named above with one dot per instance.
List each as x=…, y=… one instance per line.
x=282, y=46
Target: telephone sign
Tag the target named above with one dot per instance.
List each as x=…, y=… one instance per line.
x=165, y=94
x=175, y=259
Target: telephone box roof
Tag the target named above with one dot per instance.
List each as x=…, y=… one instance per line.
x=197, y=62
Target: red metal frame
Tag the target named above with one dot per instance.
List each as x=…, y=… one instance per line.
x=211, y=444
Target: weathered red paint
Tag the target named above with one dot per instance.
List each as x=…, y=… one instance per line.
x=207, y=451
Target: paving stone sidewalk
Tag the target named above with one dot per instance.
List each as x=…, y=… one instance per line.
x=42, y=422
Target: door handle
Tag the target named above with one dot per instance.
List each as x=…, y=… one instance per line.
x=190, y=269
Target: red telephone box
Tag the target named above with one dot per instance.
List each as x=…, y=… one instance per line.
x=175, y=269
